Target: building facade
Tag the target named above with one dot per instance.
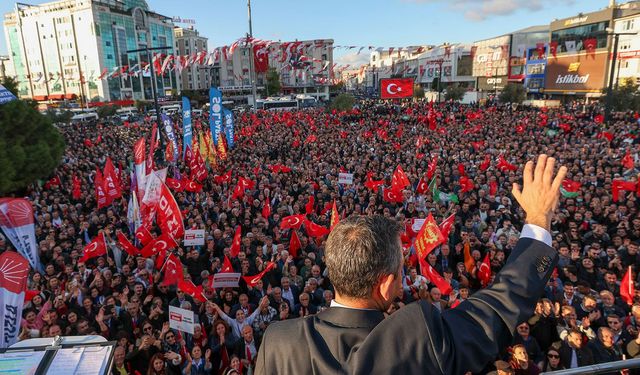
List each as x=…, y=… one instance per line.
x=491, y=63
x=79, y=49
x=187, y=43
x=446, y=65
x=628, y=60
x=522, y=42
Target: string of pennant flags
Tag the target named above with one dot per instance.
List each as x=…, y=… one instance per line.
x=294, y=56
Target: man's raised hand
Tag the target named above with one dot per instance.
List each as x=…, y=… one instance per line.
x=540, y=192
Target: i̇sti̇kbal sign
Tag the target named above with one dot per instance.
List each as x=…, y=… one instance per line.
x=576, y=74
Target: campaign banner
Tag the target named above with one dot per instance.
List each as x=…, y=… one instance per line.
x=181, y=319
x=416, y=224
x=394, y=88
x=215, y=114
x=226, y=280
x=167, y=124
x=228, y=126
x=16, y=221
x=139, y=161
x=345, y=178
x=14, y=270
x=187, y=132
x=193, y=237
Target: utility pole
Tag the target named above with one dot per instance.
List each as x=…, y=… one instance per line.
x=252, y=71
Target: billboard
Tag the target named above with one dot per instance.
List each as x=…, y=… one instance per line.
x=576, y=73
x=395, y=88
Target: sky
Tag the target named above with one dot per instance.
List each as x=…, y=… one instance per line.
x=380, y=23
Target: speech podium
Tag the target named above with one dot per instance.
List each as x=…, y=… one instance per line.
x=68, y=355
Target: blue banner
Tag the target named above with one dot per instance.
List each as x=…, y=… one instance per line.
x=215, y=114
x=228, y=126
x=167, y=124
x=5, y=95
x=187, y=132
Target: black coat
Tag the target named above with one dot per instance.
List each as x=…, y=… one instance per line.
x=416, y=338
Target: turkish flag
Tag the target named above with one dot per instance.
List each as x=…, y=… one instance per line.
x=226, y=177
x=431, y=168
x=373, y=184
x=266, y=209
x=590, y=45
x=294, y=244
x=96, y=248
x=246, y=183
x=394, y=88
x=335, y=217
x=261, y=58
x=399, y=179
x=446, y=225
x=599, y=119
x=227, y=267
x=486, y=163
x=428, y=238
x=173, y=271
x=520, y=129
x=189, y=288
x=143, y=235
x=76, y=192
x=461, y=170
x=252, y=281
x=176, y=185
x=392, y=196
x=466, y=184
x=427, y=271
x=553, y=48
x=315, y=230
x=627, y=287
x=237, y=241
x=292, y=222
x=192, y=186
x=423, y=186
x=484, y=272
x=504, y=165
x=627, y=160
x=621, y=185
x=540, y=50
x=309, y=206
x=493, y=188
x=126, y=244
x=158, y=244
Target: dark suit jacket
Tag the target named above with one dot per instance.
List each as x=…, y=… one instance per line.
x=584, y=355
x=416, y=338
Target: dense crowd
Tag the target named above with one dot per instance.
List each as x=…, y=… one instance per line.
x=581, y=319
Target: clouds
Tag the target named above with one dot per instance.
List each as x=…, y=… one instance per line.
x=353, y=59
x=480, y=10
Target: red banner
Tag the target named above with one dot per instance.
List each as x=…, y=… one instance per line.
x=261, y=58
x=169, y=215
x=394, y=88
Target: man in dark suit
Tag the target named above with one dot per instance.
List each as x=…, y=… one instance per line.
x=573, y=353
x=247, y=348
x=364, y=260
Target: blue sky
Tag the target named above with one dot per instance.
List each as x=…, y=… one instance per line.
x=388, y=23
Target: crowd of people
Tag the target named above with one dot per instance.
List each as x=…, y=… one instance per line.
x=581, y=319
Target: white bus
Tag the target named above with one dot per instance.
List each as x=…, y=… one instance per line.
x=125, y=113
x=282, y=104
x=171, y=109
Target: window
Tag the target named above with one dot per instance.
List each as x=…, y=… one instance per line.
x=535, y=69
x=575, y=36
x=627, y=25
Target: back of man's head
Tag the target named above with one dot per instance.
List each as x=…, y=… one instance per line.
x=359, y=251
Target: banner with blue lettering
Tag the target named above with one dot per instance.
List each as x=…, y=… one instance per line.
x=167, y=124
x=5, y=95
x=215, y=114
x=187, y=132
x=228, y=126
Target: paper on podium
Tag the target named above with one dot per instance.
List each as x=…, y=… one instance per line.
x=23, y=362
x=89, y=360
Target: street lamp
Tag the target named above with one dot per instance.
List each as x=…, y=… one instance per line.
x=609, y=99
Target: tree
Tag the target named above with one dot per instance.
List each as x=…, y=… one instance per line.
x=30, y=146
x=59, y=116
x=512, y=93
x=625, y=97
x=106, y=111
x=273, y=82
x=338, y=87
x=10, y=84
x=342, y=102
x=435, y=85
x=418, y=92
x=455, y=93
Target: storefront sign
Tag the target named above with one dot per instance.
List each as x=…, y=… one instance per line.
x=576, y=74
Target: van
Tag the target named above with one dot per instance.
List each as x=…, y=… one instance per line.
x=84, y=117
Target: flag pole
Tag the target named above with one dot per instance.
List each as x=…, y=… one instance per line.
x=252, y=71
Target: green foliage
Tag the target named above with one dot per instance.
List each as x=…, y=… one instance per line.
x=106, y=111
x=455, y=93
x=141, y=105
x=625, y=97
x=418, y=92
x=512, y=93
x=342, y=102
x=195, y=96
x=30, y=146
x=338, y=87
x=273, y=82
x=10, y=84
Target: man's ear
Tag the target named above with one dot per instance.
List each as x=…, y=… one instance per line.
x=386, y=287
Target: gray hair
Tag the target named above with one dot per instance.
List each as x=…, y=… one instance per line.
x=359, y=251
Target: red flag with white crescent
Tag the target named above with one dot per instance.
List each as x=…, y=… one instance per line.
x=266, y=209
x=227, y=267
x=253, y=280
x=294, y=244
x=237, y=241
x=173, y=270
x=292, y=222
x=627, y=287
x=427, y=271
x=126, y=245
x=96, y=248
x=315, y=230
x=484, y=272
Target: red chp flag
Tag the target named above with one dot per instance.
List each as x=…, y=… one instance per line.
x=14, y=270
x=111, y=185
x=627, y=287
x=96, y=248
x=394, y=88
x=17, y=223
x=428, y=237
x=101, y=195
x=168, y=213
